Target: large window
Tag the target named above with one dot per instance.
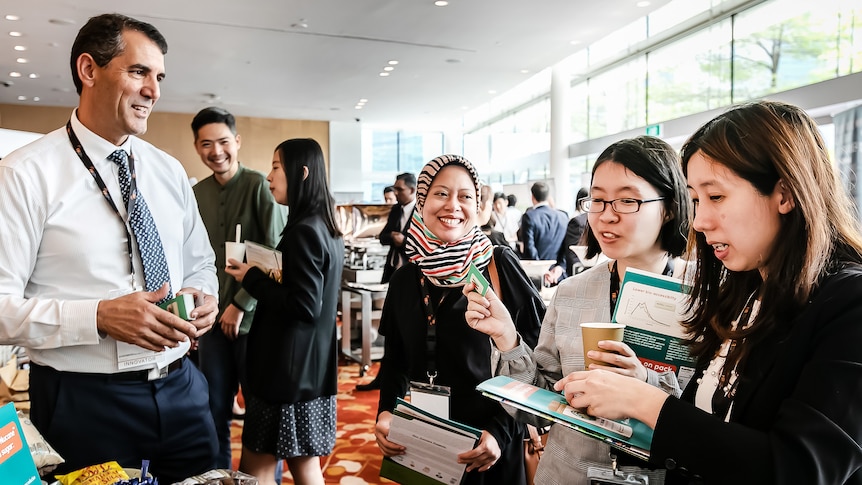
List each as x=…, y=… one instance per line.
x=690, y=76
x=618, y=99
x=784, y=44
x=397, y=151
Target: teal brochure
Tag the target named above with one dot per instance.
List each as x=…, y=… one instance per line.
x=16, y=463
x=628, y=435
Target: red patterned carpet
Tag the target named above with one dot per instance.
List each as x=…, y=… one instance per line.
x=355, y=460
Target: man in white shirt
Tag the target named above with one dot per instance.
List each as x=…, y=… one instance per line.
x=108, y=365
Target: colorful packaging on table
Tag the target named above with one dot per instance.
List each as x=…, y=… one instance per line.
x=220, y=477
x=103, y=474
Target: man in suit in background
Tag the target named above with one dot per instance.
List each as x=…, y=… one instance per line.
x=395, y=231
x=394, y=235
x=542, y=227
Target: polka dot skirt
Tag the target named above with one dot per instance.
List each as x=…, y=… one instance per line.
x=287, y=430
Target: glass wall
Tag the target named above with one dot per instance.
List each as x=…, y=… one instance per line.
x=728, y=58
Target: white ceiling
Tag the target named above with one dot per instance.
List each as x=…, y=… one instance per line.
x=256, y=59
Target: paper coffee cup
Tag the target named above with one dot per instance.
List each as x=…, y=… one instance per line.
x=593, y=332
x=234, y=250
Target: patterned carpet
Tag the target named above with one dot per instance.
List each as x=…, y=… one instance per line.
x=355, y=460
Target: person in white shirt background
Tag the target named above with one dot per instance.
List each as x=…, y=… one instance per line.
x=72, y=277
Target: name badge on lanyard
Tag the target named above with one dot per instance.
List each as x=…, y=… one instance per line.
x=430, y=397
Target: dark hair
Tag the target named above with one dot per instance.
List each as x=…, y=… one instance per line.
x=102, y=38
x=582, y=192
x=310, y=195
x=655, y=161
x=387, y=189
x=213, y=115
x=408, y=178
x=512, y=200
x=766, y=143
x=540, y=191
x=500, y=195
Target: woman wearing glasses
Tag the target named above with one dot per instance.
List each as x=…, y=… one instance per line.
x=776, y=330
x=638, y=215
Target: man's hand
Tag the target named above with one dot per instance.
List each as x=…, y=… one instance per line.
x=230, y=321
x=135, y=318
x=205, y=312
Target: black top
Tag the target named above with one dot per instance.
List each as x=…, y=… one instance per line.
x=795, y=416
x=463, y=354
x=292, y=353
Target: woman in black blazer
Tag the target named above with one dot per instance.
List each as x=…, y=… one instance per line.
x=777, y=321
x=292, y=352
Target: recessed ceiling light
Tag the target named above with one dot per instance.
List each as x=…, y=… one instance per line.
x=363, y=100
x=22, y=98
x=643, y=3
x=574, y=42
x=384, y=74
x=33, y=75
x=388, y=68
x=15, y=34
x=21, y=60
x=20, y=48
x=14, y=74
x=441, y=3
x=36, y=98
x=492, y=91
x=525, y=71
x=393, y=63
x=357, y=107
x=13, y=17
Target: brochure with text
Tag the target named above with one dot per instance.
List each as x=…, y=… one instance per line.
x=628, y=435
x=16, y=462
x=652, y=307
x=432, y=447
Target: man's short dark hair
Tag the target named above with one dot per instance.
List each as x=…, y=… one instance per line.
x=213, y=114
x=513, y=201
x=500, y=195
x=387, y=189
x=540, y=191
x=102, y=38
x=408, y=178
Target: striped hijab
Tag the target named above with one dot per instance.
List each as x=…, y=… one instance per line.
x=445, y=264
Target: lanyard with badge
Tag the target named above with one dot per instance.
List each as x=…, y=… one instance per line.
x=88, y=164
x=429, y=396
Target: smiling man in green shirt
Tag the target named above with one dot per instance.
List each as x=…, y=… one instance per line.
x=232, y=195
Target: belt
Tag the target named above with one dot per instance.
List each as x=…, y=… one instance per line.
x=148, y=374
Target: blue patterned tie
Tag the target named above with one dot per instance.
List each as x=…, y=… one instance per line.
x=144, y=228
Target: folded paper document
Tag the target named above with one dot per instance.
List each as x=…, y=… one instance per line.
x=432, y=447
x=628, y=435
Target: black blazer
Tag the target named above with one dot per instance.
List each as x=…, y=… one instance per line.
x=542, y=231
x=396, y=253
x=292, y=353
x=797, y=415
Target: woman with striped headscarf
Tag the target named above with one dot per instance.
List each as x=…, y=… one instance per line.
x=426, y=332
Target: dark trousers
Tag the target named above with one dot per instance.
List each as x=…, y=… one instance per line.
x=94, y=418
x=223, y=363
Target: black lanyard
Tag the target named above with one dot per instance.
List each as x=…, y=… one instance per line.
x=615, y=283
x=88, y=164
x=431, y=335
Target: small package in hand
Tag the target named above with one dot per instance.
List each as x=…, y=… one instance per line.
x=181, y=306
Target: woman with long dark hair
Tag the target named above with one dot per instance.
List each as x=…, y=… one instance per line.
x=777, y=320
x=292, y=352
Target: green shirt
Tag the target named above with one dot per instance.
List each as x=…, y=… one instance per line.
x=244, y=200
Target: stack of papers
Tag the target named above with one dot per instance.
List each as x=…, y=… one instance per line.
x=432, y=447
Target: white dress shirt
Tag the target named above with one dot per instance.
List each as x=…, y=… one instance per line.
x=63, y=248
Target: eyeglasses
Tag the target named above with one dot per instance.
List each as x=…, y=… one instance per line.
x=620, y=206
